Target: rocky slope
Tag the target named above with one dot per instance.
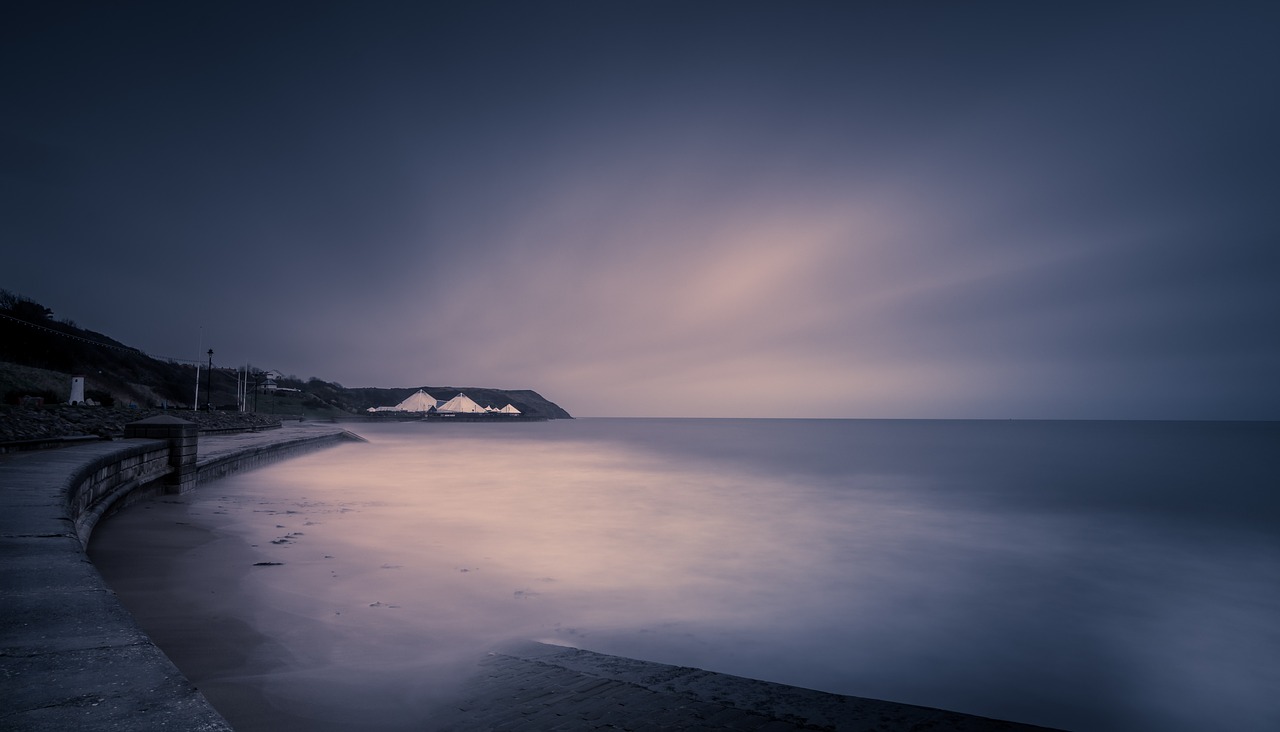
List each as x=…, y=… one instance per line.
x=30, y=423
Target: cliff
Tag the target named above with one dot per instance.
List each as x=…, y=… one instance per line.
x=38, y=356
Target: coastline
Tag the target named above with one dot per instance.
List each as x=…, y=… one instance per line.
x=72, y=656
x=333, y=672
x=241, y=653
x=515, y=684
x=145, y=553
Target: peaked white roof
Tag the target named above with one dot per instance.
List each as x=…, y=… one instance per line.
x=417, y=402
x=461, y=403
x=509, y=410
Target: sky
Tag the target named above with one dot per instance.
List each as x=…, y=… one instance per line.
x=716, y=209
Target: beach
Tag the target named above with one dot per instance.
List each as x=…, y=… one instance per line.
x=184, y=608
x=892, y=561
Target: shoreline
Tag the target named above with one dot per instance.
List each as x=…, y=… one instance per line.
x=145, y=557
x=249, y=655
x=72, y=656
x=513, y=684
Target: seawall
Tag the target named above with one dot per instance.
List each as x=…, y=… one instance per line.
x=71, y=656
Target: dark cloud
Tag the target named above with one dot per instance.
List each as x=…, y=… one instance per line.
x=652, y=208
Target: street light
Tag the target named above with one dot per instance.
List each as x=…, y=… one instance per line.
x=208, y=384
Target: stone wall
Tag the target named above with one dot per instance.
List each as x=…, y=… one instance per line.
x=111, y=481
x=183, y=440
x=256, y=457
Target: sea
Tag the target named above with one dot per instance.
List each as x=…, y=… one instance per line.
x=1082, y=575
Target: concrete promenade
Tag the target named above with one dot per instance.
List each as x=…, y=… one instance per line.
x=72, y=658
x=535, y=686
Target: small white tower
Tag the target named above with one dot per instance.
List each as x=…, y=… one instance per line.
x=77, y=390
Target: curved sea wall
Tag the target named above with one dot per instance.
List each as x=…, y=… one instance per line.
x=111, y=481
x=246, y=452
x=71, y=656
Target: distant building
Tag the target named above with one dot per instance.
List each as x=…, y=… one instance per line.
x=419, y=401
x=461, y=404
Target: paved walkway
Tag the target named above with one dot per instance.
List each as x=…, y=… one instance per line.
x=216, y=447
x=71, y=657
x=534, y=686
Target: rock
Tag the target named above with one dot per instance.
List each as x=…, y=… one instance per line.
x=29, y=423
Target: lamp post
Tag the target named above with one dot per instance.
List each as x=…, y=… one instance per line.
x=208, y=384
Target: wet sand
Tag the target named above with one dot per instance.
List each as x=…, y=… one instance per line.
x=153, y=556
x=935, y=583
x=265, y=663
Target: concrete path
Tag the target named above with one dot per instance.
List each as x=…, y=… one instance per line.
x=535, y=686
x=216, y=447
x=71, y=657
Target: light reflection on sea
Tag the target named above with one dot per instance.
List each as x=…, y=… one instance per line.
x=1083, y=575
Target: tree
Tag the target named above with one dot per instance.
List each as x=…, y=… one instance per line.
x=24, y=308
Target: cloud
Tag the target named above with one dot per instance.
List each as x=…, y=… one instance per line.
x=956, y=214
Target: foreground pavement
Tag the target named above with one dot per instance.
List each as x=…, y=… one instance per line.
x=535, y=686
x=71, y=656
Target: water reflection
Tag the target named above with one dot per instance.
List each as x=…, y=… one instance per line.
x=1010, y=570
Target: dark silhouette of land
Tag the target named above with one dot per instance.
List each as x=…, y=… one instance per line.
x=39, y=354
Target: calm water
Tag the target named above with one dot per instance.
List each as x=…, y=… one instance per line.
x=1092, y=576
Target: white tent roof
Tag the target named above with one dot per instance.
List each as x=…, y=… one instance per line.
x=418, y=402
x=461, y=403
x=509, y=410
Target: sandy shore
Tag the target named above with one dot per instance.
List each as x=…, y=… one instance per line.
x=153, y=557
x=184, y=584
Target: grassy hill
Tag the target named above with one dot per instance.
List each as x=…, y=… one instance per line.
x=39, y=355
